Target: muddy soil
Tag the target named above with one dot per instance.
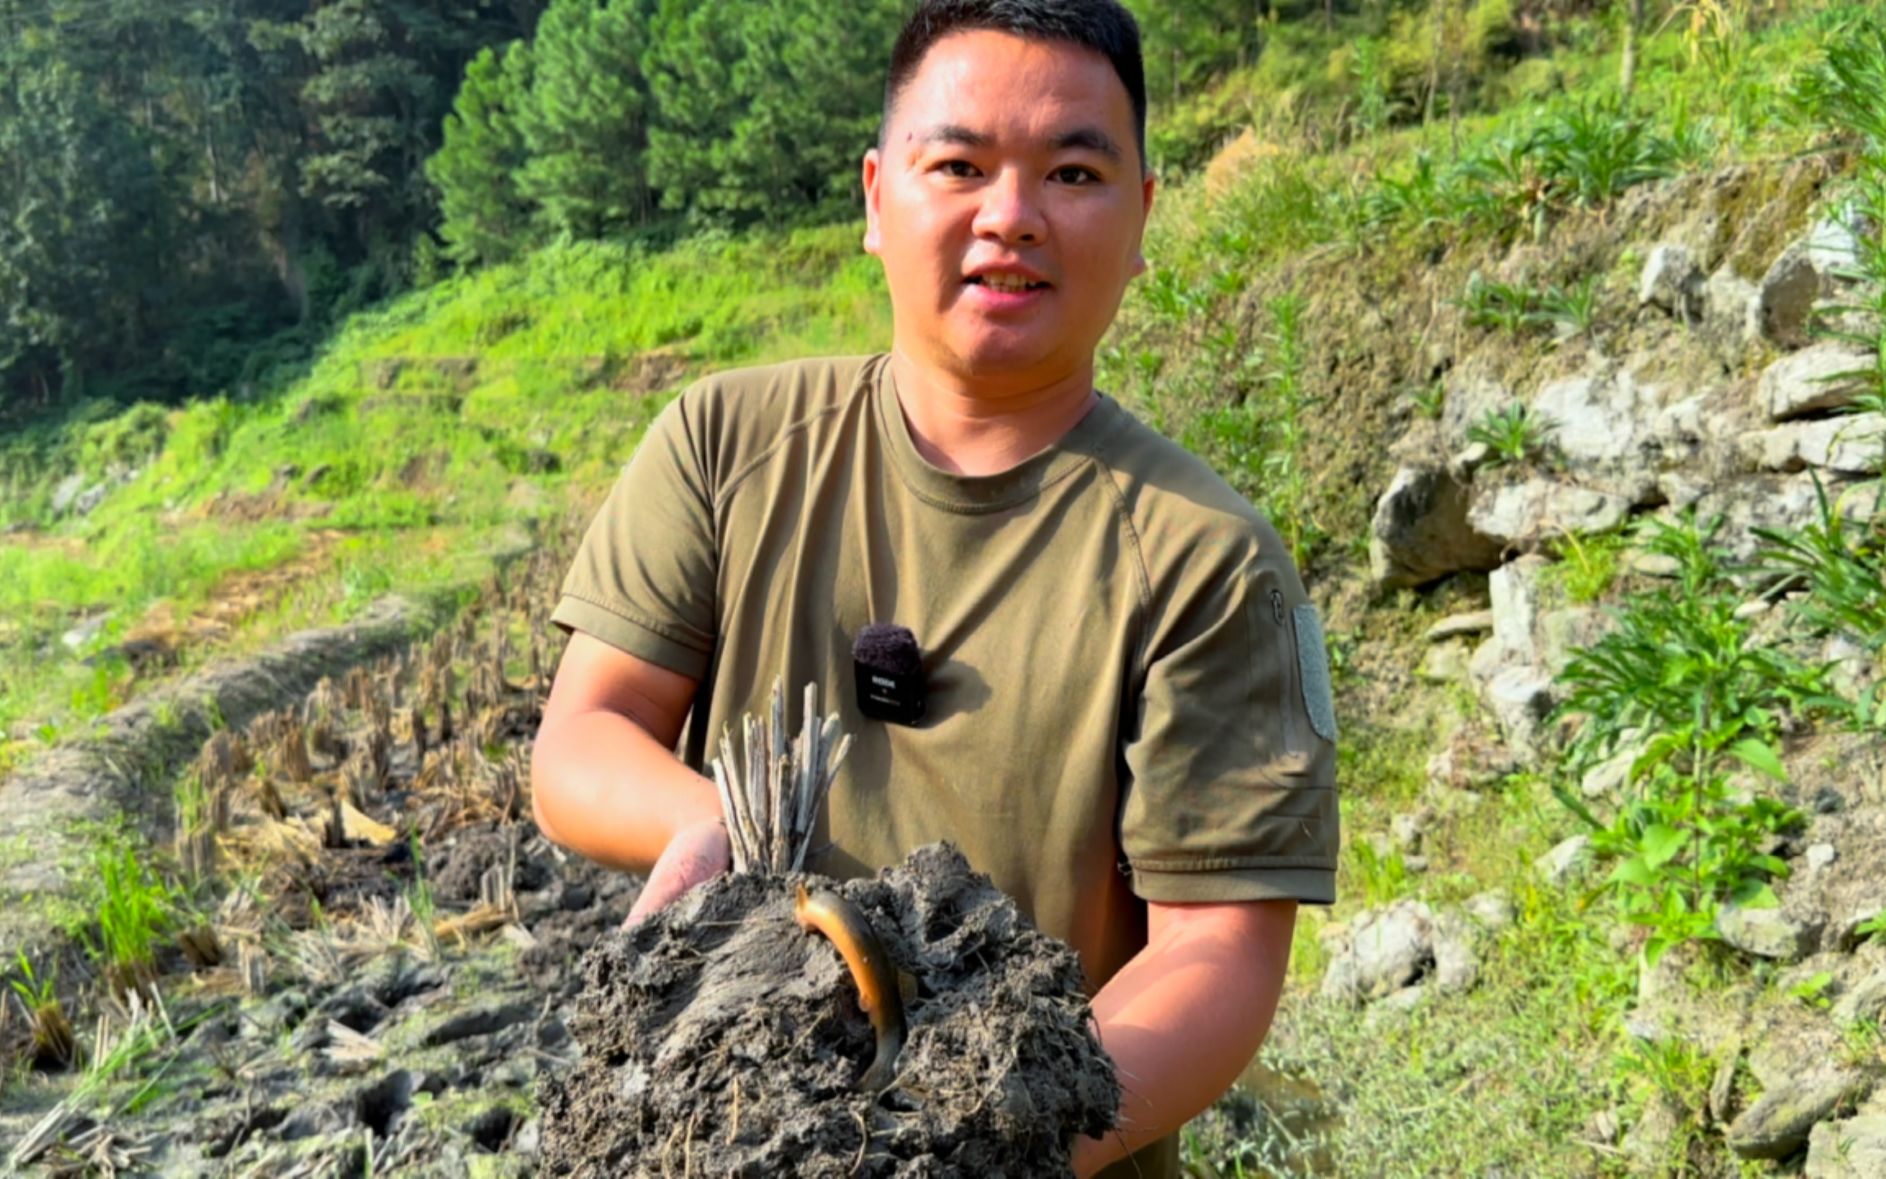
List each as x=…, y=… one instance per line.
x=719, y=1038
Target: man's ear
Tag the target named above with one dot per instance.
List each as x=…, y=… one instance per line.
x=1146, y=212
x=873, y=172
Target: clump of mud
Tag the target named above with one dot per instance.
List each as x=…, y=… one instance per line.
x=719, y=1038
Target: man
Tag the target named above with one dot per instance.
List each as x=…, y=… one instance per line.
x=1128, y=710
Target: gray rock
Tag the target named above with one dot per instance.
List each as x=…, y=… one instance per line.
x=66, y=493
x=1520, y=699
x=1832, y=246
x=1492, y=909
x=1786, y=298
x=1814, y=266
x=1445, y=664
x=1602, y=1127
x=1679, y=431
x=1850, y=667
x=1468, y=459
x=1730, y=307
x=1819, y=855
x=1768, y=501
x=78, y=637
x=90, y=498
x=1406, y=830
x=1387, y=949
x=1845, y=932
x=1456, y=966
x=1851, y=445
x=1605, y=423
x=1865, y=1001
x=1673, y=281
x=1520, y=515
x=1420, y=531
x=1515, y=591
x=1649, y=1144
x=1473, y=622
x=1779, y=1122
x=1803, y=382
x=528, y=1139
x=1766, y=933
x=1608, y=778
x=1854, y=1148
x=1569, y=859
x=1569, y=630
x=1722, y=1086
x=1472, y=393
x=1651, y=564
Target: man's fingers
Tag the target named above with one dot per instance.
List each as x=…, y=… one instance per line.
x=668, y=881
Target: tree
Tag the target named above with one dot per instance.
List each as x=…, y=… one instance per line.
x=584, y=127
x=763, y=110
x=78, y=201
x=487, y=218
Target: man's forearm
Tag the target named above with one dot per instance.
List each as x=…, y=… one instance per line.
x=1186, y=1015
x=608, y=790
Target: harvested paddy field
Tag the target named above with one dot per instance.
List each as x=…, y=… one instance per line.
x=349, y=951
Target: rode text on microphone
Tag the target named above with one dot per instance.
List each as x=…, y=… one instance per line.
x=888, y=667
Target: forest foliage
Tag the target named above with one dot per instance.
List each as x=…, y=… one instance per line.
x=194, y=192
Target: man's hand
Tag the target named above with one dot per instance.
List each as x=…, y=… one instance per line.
x=1184, y=1017
x=697, y=853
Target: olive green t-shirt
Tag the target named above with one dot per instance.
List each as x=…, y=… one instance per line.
x=1127, y=691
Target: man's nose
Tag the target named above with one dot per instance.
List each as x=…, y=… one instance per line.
x=1011, y=210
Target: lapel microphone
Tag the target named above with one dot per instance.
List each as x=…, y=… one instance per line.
x=889, y=670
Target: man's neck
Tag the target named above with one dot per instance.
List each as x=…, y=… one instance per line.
x=968, y=429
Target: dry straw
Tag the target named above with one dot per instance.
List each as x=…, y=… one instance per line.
x=771, y=794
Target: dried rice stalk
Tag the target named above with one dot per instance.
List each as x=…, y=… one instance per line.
x=771, y=797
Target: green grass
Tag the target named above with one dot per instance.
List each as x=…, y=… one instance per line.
x=390, y=463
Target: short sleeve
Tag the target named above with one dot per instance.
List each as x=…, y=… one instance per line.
x=1231, y=788
x=644, y=577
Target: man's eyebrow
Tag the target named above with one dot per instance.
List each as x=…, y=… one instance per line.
x=1090, y=139
x=1085, y=138
x=954, y=133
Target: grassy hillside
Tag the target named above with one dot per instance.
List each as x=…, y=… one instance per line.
x=489, y=400
x=1324, y=204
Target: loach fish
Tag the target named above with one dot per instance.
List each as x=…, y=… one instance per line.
x=879, y=994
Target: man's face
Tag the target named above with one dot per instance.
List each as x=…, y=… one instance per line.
x=1007, y=202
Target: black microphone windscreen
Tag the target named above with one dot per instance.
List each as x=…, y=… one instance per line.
x=888, y=647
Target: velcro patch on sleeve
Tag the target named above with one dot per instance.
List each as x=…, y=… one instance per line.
x=1313, y=672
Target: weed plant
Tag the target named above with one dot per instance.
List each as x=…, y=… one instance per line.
x=53, y=1041
x=1682, y=680
x=1588, y=568
x=1573, y=309
x=1287, y=485
x=131, y=913
x=1500, y=306
x=1847, y=91
x=1511, y=435
x=1840, y=563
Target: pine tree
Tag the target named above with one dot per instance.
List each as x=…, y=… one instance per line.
x=763, y=110
x=583, y=128
x=78, y=199
x=486, y=216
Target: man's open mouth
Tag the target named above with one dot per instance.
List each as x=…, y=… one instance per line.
x=1004, y=282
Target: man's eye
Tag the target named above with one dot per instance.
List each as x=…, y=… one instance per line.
x=958, y=168
x=1075, y=174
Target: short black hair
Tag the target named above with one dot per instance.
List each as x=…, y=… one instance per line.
x=1100, y=25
